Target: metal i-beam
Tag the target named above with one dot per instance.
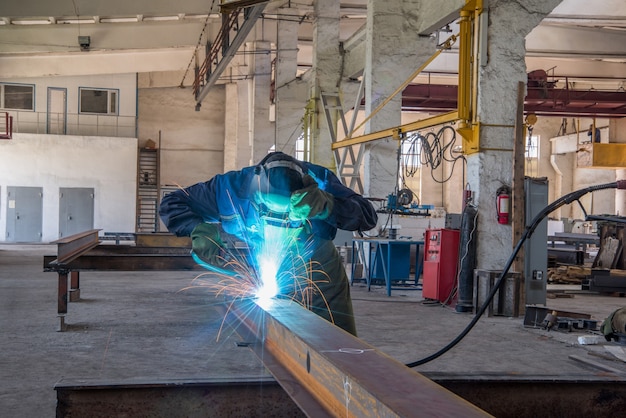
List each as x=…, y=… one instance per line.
x=69, y=248
x=329, y=372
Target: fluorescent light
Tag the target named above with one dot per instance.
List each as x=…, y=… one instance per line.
x=30, y=21
x=65, y=21
x=159, y=18
x=118, y=19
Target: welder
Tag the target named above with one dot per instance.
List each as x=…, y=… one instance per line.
x=305, y=199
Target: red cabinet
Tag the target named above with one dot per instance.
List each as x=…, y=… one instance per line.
x=441, y=254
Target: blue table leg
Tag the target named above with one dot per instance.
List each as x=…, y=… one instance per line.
x=419, y=264
x=388, y=270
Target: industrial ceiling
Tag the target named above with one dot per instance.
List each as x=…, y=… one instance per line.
x=582, y=45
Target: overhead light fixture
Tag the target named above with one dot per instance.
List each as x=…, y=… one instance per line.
x=132, y=19
x=30, y=21
x=74, y=21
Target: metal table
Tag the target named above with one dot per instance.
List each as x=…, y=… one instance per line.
x=388, y=259
x=580, y=241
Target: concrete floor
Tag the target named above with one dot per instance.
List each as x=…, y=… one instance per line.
x=143, y=327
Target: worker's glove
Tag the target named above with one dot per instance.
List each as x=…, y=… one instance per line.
x=207, y=244
x=310, y=202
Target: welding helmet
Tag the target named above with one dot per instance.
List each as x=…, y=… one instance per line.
x=277, y=176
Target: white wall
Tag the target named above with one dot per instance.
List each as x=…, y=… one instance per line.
x=108, y=165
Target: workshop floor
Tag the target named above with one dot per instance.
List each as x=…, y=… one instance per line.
x=145, y=326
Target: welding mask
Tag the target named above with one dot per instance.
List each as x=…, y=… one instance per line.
x=276, y=178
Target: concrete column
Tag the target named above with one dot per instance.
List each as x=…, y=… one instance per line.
x=262, y=134
x=290, y=92
x=617, y=134
x=231, y=126
x=237, y=150
x=620, y=195
x=509, y=23
x=394, y=52
x=326, y=75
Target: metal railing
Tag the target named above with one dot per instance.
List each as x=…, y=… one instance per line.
x=73, y=124
x=6, y=126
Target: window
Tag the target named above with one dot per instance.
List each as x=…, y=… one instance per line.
x=532, y=147
x=17, y=96
x=411, y=151
x=101, y=101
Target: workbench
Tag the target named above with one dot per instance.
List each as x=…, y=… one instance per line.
x=84, y=252
x=386, y=259
x=573, y=247
x=580, y=241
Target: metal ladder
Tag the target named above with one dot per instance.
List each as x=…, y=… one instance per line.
x=347, y=160
x=147, y=190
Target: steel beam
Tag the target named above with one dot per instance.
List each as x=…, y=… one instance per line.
x=71, y=247
x=504, y=396
x=130, y=262
x=329, y=372
x=539, y=100
x=250, y=16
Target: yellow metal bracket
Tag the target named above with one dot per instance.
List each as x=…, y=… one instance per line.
x=468, y=126
x=470, y=135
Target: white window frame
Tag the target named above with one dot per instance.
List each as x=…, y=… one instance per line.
x=531, y=148
x=3, y=96
x=112, y=105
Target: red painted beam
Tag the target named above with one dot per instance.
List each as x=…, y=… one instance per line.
x=541, y=101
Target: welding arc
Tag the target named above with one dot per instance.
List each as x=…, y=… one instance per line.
x=564, y=200
x=211, y=267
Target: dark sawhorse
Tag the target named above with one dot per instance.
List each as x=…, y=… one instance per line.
x=83, y=252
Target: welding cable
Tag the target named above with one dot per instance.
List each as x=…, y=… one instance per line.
x=564, y=200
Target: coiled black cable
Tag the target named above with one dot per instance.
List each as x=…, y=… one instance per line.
x=564, y=200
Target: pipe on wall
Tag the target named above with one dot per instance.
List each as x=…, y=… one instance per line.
x=558, y=183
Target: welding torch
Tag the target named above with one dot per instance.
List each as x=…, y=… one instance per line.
x=211, y=267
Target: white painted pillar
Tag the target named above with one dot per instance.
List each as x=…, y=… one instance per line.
x=237, y=149
x=509, y=23
x=617, y=134
x=394, y=52
x=231, y=126
x=326, y=75
x=262, y=134
x=290, y=93
x=620, y=195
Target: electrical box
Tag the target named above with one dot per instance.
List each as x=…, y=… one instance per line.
x=441, y=254
x=536, y=247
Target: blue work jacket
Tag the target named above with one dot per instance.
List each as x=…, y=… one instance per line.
x=228, y=198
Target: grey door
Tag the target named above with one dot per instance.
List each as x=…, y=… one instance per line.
x=24, y=214
x=75, y=210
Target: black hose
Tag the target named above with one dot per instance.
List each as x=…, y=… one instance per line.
x=564, y=200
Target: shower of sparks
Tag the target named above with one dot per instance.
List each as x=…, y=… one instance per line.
x=279, y=266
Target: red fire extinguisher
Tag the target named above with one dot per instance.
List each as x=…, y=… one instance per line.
x=503, y=204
